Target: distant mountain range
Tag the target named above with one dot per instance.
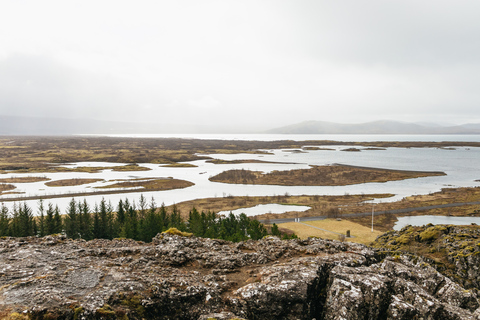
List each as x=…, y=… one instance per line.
x=375, y=127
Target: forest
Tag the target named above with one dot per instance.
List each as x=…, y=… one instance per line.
x=140, y=222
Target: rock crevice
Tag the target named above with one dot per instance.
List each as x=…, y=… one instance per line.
x=178, y=277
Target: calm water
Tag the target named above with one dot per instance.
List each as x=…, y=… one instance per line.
x=266, y=208
x=461, y=165
x=424, y=220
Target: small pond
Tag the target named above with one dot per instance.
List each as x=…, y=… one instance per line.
x=266, y=208
x=423, y=220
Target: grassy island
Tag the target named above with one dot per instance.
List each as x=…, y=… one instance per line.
x=333, y=175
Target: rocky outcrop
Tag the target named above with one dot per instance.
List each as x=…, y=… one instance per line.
x=178, y=277
x=453, y=250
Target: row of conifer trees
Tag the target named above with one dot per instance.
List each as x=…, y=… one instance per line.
x=140, y=221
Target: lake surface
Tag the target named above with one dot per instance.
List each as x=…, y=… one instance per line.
x=266, y=208
x=424, y=220
x=461, y=164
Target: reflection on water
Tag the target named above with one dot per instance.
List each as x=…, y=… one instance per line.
x=424, y=220
x=266, y=208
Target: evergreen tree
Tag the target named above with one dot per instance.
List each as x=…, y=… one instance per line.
x=14, y=226
x=175, y=219
x=195, y=223
x=212, y=226
x=41, y=218
x=110, y=228
x=4, y=221
x=25, y=220
x=72, y=227
x=49, y=220
x=57, y=221
x=34, y=227
x=163, y=218
x=120, y=212
x=256, y=230
x=275, y=231
x=85, y=220
x=130, y=227
x=151, y=224
x=96, y=223
x=105, y=221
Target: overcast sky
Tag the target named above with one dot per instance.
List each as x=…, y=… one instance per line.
x=241, y=62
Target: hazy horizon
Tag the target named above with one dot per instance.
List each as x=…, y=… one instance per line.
x=249, y=64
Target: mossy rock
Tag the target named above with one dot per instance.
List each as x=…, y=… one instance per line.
x=106, y=312
x=176, y=232
x=429, y=235
x=17, y=316
x=404, y=239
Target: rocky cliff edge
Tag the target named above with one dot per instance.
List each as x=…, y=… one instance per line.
x=177, y=277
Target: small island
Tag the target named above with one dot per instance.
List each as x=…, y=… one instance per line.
x=330, y=175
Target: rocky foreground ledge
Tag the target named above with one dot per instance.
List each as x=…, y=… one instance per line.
x=177, y=277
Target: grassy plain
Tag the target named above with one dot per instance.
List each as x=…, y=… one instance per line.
x=23, y=179
x=6, y=187
x=358, y=233
x=150, y=184
x=70, y=182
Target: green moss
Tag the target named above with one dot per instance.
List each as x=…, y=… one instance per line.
x=17, y=316
x=404, y=239
x=430, y=234
x=134, y=303
x=76, y=312
x=106, y=311
x=175, y=231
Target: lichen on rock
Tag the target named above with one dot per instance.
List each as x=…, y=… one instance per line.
x=179, y=277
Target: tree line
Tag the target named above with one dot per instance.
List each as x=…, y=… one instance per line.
x=140, y=221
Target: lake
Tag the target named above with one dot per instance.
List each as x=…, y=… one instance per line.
x=461, y=164
x=424, y=220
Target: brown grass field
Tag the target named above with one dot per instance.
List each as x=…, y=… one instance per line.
x=70, y=182
x=151, y=184
x=6, y=187
x=23, y=179
x=359, y=233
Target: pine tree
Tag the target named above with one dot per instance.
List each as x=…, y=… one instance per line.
x=4, y=221
x=120, y=212
x=85, y=220
x=49, y=220
x=25, y=220
x=41, y=218
x=175, y=219
x=72, y=227
x=275, y=231
x=57, y=221
x=256, y=230
x=151, y=224
x=14, y=226
x=96, y=223
x=105, y=221
x=130, y=227
x=195, y=223
x=163, y=218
